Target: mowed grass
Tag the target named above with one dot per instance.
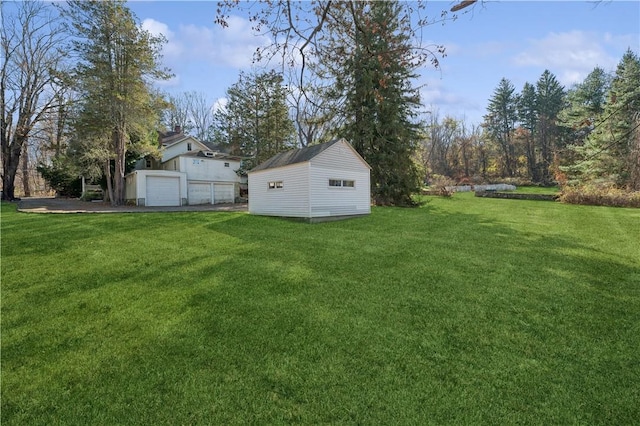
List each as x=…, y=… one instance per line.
x=538, y=190
x=464, y=311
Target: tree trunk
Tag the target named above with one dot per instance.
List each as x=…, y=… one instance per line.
x=107, y=174
x=508, y=161
x=634, y=158
x=531, y=160
x=10, y=162
x=119, y=168
x=25, y=170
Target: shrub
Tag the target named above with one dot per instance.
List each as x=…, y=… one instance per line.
x=440, y=185
x=516, y=181
x=62, y=178
x=92, y=195
x=600, y=195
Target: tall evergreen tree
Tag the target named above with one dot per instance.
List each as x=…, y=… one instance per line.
x=380, y=104
x=117, y=58
x=610, y=153
x=583, y=111
x=622, y=113
x=500, y=123
x=550, y=97
x=255, y=121
x=585, y=105
x=528, y=117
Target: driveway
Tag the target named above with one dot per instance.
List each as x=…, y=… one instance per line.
x=73, y=205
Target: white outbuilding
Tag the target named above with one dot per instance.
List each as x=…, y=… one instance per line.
x=319, y=182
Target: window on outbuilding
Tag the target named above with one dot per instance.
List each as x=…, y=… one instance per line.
x=148, y=163
x=342, y=183
x=275, y=185
x=189, y=146
x=226, y=164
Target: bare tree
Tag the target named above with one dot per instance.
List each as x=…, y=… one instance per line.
x=200, y=112
x=177, y=115
x=315, y=117
x=192, y=112
x=303, y=35
x=30, y=78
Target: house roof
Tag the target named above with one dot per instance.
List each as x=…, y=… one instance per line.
x=171, y=137
x=216, y=155
x=294, y=156
x=216, y=147
x=175, y=139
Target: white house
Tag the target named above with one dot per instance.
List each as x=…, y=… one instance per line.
x=330, y=180
x=189, y=172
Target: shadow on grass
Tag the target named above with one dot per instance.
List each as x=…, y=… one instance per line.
x=492, y=315
x=405, y=316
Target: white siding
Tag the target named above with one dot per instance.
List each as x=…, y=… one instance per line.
x=200, y=193
x=131, y=187
x=292, y=200
x=182, y=148
x=340, y=156
x=142, y=183
x=163, y=191
x=339, y=161
x=223, y=193
x=207, y=169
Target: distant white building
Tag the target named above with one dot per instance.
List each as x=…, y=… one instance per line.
x=189, y=172
x=319, y=182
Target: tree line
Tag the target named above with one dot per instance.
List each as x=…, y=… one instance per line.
x=77, y=82
x=78, y=93
x=585, y=134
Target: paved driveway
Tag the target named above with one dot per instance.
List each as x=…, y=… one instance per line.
x=73, y=205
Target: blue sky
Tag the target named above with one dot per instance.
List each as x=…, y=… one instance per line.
x=517, y=40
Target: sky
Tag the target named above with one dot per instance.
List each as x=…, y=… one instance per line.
x=516, y=40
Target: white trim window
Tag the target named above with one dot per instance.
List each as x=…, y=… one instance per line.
x=342, y=183
x=276, y=184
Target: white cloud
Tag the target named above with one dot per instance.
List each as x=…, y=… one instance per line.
x=622, y=41
x=233, y=46
x=570, y=55
x=449, y=102
x=156, y=27
x=212, y=46
x=173, y=48
x=174, y=81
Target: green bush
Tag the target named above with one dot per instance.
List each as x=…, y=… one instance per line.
x=92, y=195
x=62, y=178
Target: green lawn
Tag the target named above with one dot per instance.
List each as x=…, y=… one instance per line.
x=464, y=311
x=537, y=190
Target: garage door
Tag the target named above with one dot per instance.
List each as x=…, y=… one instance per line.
x=163, y=191
x=199, y=193
x=223, y=193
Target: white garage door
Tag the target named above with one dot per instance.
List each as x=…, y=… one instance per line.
x=199, y=193
x=223, y=193
x=163, y=191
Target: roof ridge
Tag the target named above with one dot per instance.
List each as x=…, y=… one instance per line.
x=296, y=155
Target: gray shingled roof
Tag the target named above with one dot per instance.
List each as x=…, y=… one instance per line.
x=294, y=156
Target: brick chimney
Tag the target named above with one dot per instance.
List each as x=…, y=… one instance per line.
x=178, y=129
